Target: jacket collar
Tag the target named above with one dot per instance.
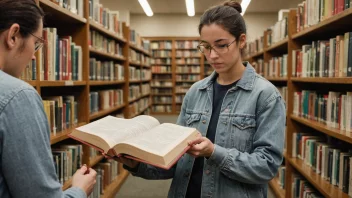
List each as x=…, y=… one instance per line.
x=246, y=82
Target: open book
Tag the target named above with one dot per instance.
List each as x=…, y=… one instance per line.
x=141, y=138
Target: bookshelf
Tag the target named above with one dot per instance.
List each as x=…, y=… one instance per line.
x=178, y=64
x=80, y=28
x=324, y=30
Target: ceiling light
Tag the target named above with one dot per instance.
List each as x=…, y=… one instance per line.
x=244, y=5
x=146, y=7
x=190, y=7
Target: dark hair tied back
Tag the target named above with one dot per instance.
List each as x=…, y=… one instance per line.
x=26, y=13
x=235, y=5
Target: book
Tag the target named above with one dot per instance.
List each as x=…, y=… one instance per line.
x=141, y=138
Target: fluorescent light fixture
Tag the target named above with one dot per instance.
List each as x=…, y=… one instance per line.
x=244, y=5
x=146, y=7
x=190, y=7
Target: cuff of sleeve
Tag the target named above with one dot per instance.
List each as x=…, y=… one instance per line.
x=76, y=192
x=218, y=157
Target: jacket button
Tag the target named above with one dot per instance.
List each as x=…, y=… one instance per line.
x=225, y=123
x=207, y=172
x=204, y=121
x=207, y=110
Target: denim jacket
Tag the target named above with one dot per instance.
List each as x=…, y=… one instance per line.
x=249, y=139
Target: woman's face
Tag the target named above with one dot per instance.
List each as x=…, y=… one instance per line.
x=21, y=50
x=220, y=48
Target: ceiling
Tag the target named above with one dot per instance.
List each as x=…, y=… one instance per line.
x=179, y=6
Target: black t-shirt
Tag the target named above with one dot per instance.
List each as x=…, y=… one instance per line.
x=195, y=182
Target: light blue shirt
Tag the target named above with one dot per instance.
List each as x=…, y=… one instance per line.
x=26, y=162
x=249, y=139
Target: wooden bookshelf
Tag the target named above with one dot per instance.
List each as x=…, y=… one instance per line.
x=105, y=112
x=98, y=27
x=95, y=160
x=61, y=83
x=339, y=134
x=115, y=186
x=135, y=63
x=278, y=191
x=277, y=79
x=140, y=50
x=67, y=184
x=105, y=55
x=324, y=80
x=62, y=135
x=281, y=45
x=255, y=55
x=31, y=82
x=324, y=187
x=102, y=83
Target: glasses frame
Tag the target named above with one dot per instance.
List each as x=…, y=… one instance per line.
x=212, y=48
x=40, y=44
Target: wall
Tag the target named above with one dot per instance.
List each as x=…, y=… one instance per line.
x=182, y=25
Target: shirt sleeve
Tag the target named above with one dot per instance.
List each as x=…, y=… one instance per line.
x=26, y=158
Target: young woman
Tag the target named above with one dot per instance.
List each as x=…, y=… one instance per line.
x=240, y=115
x=26, y=163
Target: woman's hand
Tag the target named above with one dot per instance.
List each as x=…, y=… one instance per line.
x=201, y=147
x=128, y=162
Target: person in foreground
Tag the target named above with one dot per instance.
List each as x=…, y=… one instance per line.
x=240, y=115
x=27, y=167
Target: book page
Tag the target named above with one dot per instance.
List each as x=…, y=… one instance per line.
x=161, y=139
x=114, y=130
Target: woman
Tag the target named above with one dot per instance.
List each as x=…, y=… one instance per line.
x=27, y=167
x=240, y=115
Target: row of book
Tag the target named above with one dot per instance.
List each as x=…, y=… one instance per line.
x=186, y=44
x=162, y=91
x=139, y=58
x=162, y=53
x=146, y=45
x=60, y=58
x=61, y=111
x=105, y=17
x=162, y=108
x=188, y=69
x=276, y=67
x=74, y=6
x=161, y=61
x=179, y=89
x=179, y=99
x=161, y=69
x=105, y=99
x=139, y=74
x=105, y=70
x=332, y=109
x=185, y=84
x=161, y=84
x=284, y=93
x=255, y=46
x=104, y=44
x=30, y=72
x=185, y=60
x=187, y=77
x=325, y=159
x=324, y=58
x=162, y=76
x=135, y=38
x=139, y=106
x=278, y=32
x=156, y=45
x=187, y=53
x=145, y=89
x=162, y=99
x=281, y=176
x=312, y=12
x=301, y=188
x=67, y=160
x=134, y=92
x=107, y=172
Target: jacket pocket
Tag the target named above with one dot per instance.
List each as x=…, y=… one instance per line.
x=242, y=130
x=192, y=119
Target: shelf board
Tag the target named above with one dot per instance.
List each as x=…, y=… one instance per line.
x=162, y=73
x=180, y=93
x=339, y=134
x=58, y=12
x=255, y=55
x=95, y=160
x=330, y=24
x=277, y=79
x=67, y=184
x=140, y=112
x=105, y=112
x=101, y=29
x=281, y=45
x=113, y=188
x=134, y=63
x=322, y=185
x=163, y=87
x=161, y=94
x=162, y=103
x=134, y=100
x=342, y=80
x=278, y=191
x=62, y=135
x=160, y=64
x=190, y=81
x=145, y=66
x=101, y=82
x=31, y=82
x=61, y=83
x=140, y=49
x=105, y=55
x=148, y=80
x=184, y=73
x=135, y=81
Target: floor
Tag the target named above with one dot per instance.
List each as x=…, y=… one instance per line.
x=135, y=187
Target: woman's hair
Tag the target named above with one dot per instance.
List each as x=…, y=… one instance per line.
x=26, y=13
x=228, y=15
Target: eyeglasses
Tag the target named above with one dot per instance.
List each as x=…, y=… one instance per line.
x=39, y=44
x=219, y=49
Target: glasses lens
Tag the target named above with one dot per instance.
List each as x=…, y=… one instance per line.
x=221, y=49
x=38, y=46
